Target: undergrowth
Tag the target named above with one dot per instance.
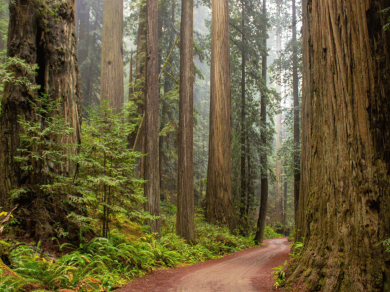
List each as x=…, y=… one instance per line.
x=105, y=263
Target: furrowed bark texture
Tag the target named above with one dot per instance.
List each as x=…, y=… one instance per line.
x=344, y=201
x=185, y=226
x=219, y=206
x=152, y=186
x=49, y=40
x=259, y=236
x=111, y=80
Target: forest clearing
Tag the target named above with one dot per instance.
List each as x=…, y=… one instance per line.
x=195, y=145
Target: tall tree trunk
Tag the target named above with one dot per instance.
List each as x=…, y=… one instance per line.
x=264, y=157
x=152, y=186
x=83, y=31
x=46, y=39
x=297, y=172
x=185, y=226
x=344, y=201
x=243, y=120
x=278, y=126
x=111, y=80
x=131, y=88
x=139, y=87
x=219, y=205
x=285, y=205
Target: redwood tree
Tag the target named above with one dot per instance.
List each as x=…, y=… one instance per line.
x=344, y=203
x=219, y=206
x=43, y=34
x=152, y=186
x=264, y=157
x=111, y=79
x=185, y=225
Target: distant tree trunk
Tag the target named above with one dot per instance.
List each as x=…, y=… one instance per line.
x=297, y=160
x=185, y=226
x=164, y=110
x=219, y=205
x=111, y=80
x=46, y=39
x=259, y=237
x=278, y=128
x=83, y=34
x=285, y=205
x=344, y=203
x=140, y=87
x=76, y=16
x=243, y=126
x=131, y=88
x=152, y=186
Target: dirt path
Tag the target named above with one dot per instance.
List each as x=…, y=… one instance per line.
x=245, y=271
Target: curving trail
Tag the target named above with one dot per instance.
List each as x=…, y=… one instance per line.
x=245, y=271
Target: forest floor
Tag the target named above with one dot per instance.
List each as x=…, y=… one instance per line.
x=245, y=271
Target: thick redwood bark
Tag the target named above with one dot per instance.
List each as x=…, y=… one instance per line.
x=344, y=201
x=259, y=237
x=152, y=186
x=219, y=207
x=185, y=226
x=111, y=80
x=49, y=40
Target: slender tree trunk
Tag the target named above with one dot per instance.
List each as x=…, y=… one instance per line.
x=111, y=80
x=219, y=205
x=285, y=205
x=140, y=88
x=344, y=203
x=243, y=120
x=278, y=126
x=297, y=160
x=185, y=226
x=46, y=39
x=264, y=157
x=131, y=88
x=152, y=186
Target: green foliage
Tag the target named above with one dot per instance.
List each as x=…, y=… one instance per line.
x=105, y=263
x=95, y=179
x=279, y=275
x=386, y=27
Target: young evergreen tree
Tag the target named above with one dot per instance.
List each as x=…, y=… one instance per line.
x=42, y=33
x=185, y=225
x=344, y=196
x=112, y=55
x=152, y=186
x=219, y=205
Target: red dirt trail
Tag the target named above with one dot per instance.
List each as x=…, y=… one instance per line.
x=245, y=271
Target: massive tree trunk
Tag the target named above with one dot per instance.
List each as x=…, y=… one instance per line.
x=185, y=226
x=264, y=157
x=344, y=201
x=152, y=186
x=47, y=39
x=111, y=80
x=297, y=172
x=219, y=206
